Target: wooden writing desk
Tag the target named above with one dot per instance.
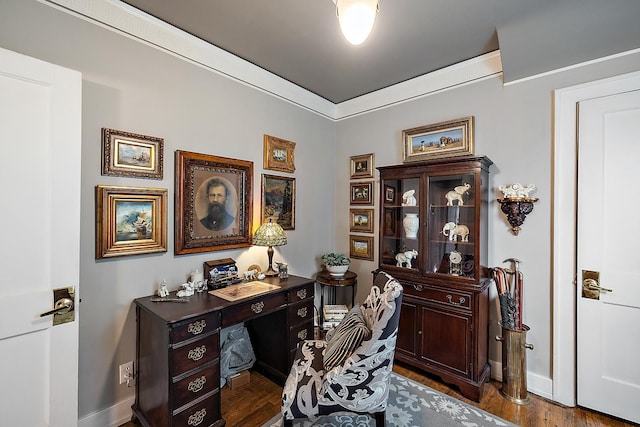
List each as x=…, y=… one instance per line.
x=178, y=349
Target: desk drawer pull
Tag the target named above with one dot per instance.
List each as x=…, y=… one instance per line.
x=302, y=312
x=197, y=353
x=418, y=287
x=197, y=417
x=302, y=334
x=257, y=307
x=197, y=384
x=460, y=301
x=196, y=328
x=302, y=294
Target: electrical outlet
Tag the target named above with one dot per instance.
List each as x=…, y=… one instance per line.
x=126, y=372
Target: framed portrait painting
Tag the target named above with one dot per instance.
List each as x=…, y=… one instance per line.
x=213, y=203
x=362, y=166
x=279, y=200
x=445, y=139
x=278, y=154
x=361, y=247
x=131, y=154
x=130, y=221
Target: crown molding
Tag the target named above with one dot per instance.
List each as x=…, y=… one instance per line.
x=130, y=22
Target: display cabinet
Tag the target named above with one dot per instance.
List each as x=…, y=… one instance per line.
x=433, y=239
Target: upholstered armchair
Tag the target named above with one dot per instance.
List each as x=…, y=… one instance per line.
x=350, y=370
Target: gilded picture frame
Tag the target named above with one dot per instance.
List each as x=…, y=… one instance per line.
x=130, y=221
x=361, y=247
x=362, y=220
x=279, y=200
x=132, y=155
x=362, y=166
x=278, y=154
x=213, y=203
x=362, y=193
x=445, y=139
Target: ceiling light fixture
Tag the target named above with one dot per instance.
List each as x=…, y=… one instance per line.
x=356, y=18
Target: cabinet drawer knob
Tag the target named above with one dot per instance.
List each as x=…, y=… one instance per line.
x=418, y=287
x=302, y=334
x=196, y=328
x=302, y=312
x=257, y=307
x=460, y=301
x=197, y=384
x=197, y=417
x=197, y=353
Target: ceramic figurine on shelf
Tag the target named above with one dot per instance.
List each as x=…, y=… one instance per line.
x=456, y=194
x=403, y=259
x=163, y=292
x=408, y=198
x=250, y=275
x=453, y=230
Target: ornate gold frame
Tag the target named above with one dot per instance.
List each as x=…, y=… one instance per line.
x=278, y=154
x=445, y=139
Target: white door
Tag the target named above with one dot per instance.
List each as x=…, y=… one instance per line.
x=608, y=341
x=40, y=120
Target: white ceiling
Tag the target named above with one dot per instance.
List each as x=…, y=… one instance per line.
x=300, y=40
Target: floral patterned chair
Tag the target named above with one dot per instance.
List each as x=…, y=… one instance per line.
x=350, y=371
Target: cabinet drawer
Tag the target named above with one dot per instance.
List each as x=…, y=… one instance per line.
x=254, y=308
x=203, y=413
x=194, y=327
x=196, y=385
x=448, y=297
x=300, y=294
x=300, y=312
x=194, y=354
x=299, y=333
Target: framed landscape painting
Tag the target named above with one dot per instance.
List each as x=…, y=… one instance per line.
x=444, y=139
x=131, y=154
x=279, y=200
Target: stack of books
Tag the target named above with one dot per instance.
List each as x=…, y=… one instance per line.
x=332, y=314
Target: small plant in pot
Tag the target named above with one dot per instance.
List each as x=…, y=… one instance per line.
x=336, y=263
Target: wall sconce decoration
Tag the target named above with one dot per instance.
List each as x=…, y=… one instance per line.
x=516, y=204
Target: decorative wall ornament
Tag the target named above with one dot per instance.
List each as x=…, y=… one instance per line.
x=516, y=204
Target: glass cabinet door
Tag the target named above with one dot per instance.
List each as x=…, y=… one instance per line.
x=400, y=224
x=451, y=225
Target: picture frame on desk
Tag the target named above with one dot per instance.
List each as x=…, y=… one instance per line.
x=213, y=206
x=130, y=221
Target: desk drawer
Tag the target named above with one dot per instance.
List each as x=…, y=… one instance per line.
x=299, y=333
x=194, y=354
x=300, y=312
x=194, y=327
x=254, y=308
x=196, y=385
x=204, y=413
x=448, y=297
x=302, y=293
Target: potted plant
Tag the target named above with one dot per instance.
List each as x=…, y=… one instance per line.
x=336, y=263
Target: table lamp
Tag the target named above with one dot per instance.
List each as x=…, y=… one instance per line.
x=270, y=234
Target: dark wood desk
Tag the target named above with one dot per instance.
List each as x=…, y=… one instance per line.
x=324, y=278
x=178, y=349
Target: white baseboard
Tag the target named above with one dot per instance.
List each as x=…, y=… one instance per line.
x=536, y=384
x=113, y=416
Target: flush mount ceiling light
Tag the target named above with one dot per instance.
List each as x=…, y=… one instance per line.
x=356, y=18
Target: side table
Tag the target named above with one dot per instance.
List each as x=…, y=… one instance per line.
x=324, y=278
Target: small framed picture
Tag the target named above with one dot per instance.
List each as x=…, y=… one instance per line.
x=389, y=222
x=389, y=194
x=130, y=221
x=130, y=154
x=361, y=247
x=213, y=203
x=362, y=193
x=362, y=166
x=445, y=139
x=279, y=200
x=278, y=154
x=361, y=220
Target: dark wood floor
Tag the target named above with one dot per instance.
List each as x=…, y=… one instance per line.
x=256, y=403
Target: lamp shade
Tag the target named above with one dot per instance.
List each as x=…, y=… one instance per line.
x=270, y=234
x=356, y=18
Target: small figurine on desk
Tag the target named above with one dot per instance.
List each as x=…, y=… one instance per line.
x=250, y=275
x=163, y=292
x=283, y=270
x=186, y=290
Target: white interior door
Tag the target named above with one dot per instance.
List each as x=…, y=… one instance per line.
x=40, y=124
x=608, y=341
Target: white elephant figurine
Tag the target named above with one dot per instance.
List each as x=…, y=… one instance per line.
x=404, y=258
x=408, y=198
x=453, y=230
x=456, y=194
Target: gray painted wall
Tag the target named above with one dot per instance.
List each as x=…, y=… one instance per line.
x=133, y=87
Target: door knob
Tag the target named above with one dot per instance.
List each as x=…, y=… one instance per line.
x=591, y=285
x=63, y=305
